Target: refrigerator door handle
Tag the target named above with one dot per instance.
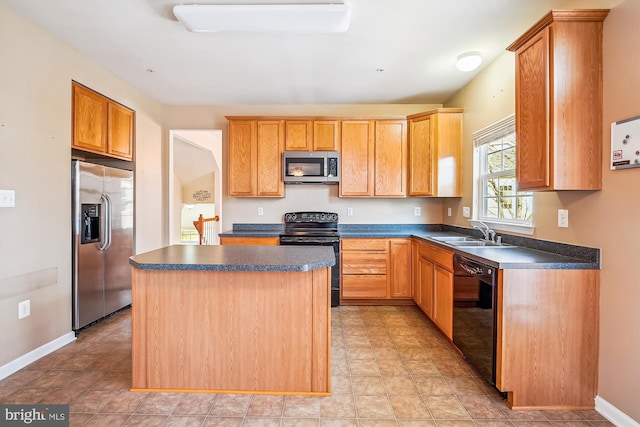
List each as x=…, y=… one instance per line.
x=107, y=223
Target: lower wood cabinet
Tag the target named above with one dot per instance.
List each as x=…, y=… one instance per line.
x=433, y=284
x=250, y=241
x=547, y=337
x=375, y=271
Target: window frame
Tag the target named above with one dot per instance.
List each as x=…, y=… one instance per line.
x=481, y=139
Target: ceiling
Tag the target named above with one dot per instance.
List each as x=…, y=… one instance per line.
x=395, y=51
x=191, y=162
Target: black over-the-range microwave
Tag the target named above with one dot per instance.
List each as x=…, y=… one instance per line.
x=311, y=167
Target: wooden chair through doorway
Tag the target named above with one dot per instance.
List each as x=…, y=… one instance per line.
x=205, y=229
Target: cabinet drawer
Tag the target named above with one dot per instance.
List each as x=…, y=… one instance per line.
x=437, y=255
x=364, y=244
x=364, y=286
x=364, y=263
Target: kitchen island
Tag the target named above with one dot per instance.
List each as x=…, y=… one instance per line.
x=232, y=319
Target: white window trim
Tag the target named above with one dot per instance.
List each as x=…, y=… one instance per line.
x=480, y=138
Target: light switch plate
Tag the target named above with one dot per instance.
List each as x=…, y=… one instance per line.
x=563, y=218
x=7, y=199
x=24, y=309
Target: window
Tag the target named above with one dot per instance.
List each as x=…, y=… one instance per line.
x=497, y=199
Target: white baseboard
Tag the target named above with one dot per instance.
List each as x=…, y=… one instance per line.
x=613, y=414
x=22, y=361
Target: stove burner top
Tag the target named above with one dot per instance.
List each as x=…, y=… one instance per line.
x=311, y=224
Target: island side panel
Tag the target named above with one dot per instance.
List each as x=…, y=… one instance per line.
x=228, y=331
x=139, y=372
x=548, y=338
x=321, y=372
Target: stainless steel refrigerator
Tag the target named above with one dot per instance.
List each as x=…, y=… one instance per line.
x=102, y=206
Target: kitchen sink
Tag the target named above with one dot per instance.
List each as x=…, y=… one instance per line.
x=477, y=243
x=451, y=239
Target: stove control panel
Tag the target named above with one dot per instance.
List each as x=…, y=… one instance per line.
x=311, y=217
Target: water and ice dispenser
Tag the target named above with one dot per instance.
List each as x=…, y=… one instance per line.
x=90, y=223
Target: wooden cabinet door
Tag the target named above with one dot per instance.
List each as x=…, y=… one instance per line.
x=421, y=157
x=326, y=135
x=532, y=113
x=356, y=159
x=400, y=268
x=415, y=271
x=443, y=299
x=242, y=161
x=426, y=286
x=120, y=131
x=298, y=135
x=90, y=127
x=250, y=241
x=390, y=154
x=270, y=145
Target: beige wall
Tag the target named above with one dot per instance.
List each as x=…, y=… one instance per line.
x=606, y=219
x=307, y=197
x=35, y=109
x=35, y=161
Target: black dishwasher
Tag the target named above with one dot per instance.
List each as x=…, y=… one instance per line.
x=474, y=314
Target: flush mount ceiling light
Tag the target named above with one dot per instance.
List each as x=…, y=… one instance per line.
x=289, y=18
x=468, y=61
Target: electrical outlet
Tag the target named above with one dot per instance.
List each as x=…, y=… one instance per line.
x=448, y=211
x=260, y=211
x=563, y=218
x=417, y=211
x=24, y=309
x=7, y=199
x=349, y=211
x=466, y=211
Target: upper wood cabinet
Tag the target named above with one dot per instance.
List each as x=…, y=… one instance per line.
x=101, y=125
x=356, y=158
x=559, y=102
x=312, y=135
x=255, y=158
x=435, y=147
x=326, y=135
x=298, y=135
x=373, y=158
x=390, y=158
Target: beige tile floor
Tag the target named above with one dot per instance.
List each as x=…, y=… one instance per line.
x=390, y=367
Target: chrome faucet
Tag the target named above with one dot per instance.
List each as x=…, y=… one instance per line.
x=487, y=232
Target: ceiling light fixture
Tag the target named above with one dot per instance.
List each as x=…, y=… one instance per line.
x=289, y=18
x=468, y=61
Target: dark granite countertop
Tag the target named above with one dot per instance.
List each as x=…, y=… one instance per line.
x=236, y=258
x=520, y=253
x=517, y=252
